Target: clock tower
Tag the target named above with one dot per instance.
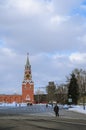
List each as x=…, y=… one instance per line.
x=28, y=84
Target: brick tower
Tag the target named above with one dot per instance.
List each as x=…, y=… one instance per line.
x=28, y=84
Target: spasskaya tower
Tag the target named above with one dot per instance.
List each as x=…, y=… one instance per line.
x=28, y=84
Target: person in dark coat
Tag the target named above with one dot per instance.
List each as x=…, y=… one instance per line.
x=56, y=110
x=46, y=105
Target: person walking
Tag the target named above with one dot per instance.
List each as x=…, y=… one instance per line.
x=46, y=105
x=56, y=110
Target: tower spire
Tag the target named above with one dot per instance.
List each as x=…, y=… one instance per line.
x=27, y=73
x=27, y=61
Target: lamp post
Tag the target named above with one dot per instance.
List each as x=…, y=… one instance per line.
x=84, y=89
x=84, y=94
x=70, y=100
x=83, y=100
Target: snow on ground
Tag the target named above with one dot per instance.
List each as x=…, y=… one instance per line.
x=14, y=104
x=77, y=108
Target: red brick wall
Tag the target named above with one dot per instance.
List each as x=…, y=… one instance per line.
x=11, y=98
x=27, y=91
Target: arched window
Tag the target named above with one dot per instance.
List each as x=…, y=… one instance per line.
x=28, y=97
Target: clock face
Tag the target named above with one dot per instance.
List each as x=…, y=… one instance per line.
x=27, y=76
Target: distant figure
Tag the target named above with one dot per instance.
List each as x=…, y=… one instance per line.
x=52, y=104
x=19, y=105
x=56, y=110
x=46, y=105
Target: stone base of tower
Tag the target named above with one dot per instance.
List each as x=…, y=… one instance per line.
x=28, y=92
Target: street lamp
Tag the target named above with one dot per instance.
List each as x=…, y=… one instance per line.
x=84, y=89
x=84, y=95
x=70, y=100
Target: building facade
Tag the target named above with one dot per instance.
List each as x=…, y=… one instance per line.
x=27, y=95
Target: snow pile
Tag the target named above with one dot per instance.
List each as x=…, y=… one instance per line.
x=78, y=108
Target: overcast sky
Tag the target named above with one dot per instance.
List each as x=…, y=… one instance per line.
x=52, y=31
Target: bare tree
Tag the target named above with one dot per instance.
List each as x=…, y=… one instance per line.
x=81, y=79
x=61, y=93
x=51, y=88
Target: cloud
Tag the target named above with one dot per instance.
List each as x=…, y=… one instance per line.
x=50, y=30
x=56, y=20
x=78, y=58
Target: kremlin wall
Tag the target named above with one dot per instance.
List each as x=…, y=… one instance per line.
x=27, y=87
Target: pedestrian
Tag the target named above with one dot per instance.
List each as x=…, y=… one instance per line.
x=56, y=110
x=46, y=105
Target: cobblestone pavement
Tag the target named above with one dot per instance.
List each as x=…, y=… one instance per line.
x=39, y=110
x=39, y=117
